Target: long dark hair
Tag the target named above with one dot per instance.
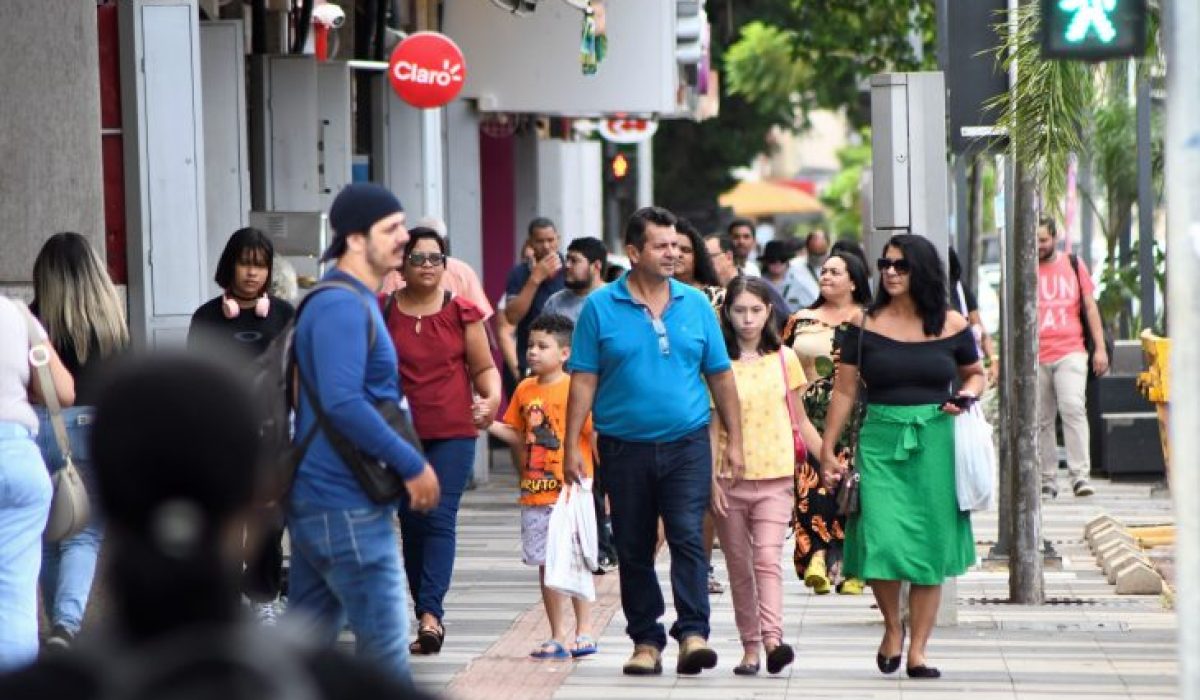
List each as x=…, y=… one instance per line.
x=702, y=268
x=926, y=282
x=769, y=342
x=856, y=268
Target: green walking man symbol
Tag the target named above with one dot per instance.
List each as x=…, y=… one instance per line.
x=1090, y=15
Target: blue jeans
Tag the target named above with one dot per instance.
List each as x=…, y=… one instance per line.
x=69, y=566
x=430, y=538
x=346, y=568
x=24, y=504
x=646, y=481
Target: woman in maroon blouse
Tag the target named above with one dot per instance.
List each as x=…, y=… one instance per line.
x=453, y=389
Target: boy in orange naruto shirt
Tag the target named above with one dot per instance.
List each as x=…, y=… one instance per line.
x=535, y=424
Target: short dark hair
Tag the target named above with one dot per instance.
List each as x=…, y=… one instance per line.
x=927, y=282
x=1048, y=222
x=540, y=222
x=769, y=342
x=738, y=223
x=421, y=233
x=245, y=243
x=814, y=234
x=635, y=228
x=723, y=241
x=591, y=248
x=556, y=325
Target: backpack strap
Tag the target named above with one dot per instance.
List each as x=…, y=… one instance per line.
x=338, y=284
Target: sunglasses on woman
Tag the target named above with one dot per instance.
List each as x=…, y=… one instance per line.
x=419, y=259
x=901, y=266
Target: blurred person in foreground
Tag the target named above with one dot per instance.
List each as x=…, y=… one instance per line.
x=176, y=552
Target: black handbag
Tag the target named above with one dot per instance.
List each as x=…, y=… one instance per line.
x=379, y=482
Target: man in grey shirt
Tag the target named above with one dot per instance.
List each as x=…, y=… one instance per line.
x=582, y=275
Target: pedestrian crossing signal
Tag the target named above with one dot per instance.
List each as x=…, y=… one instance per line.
x=620, y=166
x=1093, y=30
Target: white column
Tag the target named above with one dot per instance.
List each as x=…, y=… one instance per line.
x=1181, y=23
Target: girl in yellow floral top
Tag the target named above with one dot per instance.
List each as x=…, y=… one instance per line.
x=754, y=507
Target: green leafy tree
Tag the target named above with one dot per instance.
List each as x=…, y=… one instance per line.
x=818, y=57
x=1060, y=108
x=842, y=196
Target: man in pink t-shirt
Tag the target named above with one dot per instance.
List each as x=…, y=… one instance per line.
x=1063, y=360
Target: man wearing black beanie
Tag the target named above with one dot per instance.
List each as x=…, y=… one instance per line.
x=345, y=556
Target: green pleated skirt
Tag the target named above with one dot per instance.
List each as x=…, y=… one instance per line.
x=909, y=527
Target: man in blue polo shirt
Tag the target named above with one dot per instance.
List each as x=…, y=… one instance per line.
x=642, y=352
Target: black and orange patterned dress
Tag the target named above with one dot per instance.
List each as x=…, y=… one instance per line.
x=817, y=526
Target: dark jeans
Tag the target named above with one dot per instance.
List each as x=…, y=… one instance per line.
x=646, y=481
x=429, y=539
x=605, y=546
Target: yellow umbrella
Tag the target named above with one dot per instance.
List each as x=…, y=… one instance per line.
x=758, y=198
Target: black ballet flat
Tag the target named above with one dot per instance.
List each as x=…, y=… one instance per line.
x=746, y=669
x=887, y=664
x=779, y=657
x=891, y=664
x=923, y=671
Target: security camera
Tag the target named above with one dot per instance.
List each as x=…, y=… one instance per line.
x=329, y=15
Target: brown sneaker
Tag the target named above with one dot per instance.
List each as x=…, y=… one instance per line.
x=694, y=656
x=646, y=661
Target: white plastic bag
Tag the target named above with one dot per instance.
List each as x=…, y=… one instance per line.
x=571, y=543
x=974, y=460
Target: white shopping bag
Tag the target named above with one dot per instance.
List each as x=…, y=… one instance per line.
x=974, y=460
x=571, y=543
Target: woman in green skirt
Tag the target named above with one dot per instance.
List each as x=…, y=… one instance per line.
x=908, y=353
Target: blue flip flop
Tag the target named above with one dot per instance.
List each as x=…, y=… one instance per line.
x=550, y=649
x=584, y=646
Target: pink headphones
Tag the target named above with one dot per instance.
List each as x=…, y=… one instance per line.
x=232, y=309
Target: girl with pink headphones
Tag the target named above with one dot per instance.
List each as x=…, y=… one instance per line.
x=239, y=324
x=233, y=329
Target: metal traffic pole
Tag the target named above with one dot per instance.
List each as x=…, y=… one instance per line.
x=1181, y=23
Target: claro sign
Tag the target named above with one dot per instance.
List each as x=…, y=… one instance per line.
x=427, y=70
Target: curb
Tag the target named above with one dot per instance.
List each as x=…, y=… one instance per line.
x=1119, y=555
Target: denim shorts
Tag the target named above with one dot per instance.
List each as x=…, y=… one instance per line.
x=535, y=530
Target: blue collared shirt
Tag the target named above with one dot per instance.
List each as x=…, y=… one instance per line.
x=651, y=385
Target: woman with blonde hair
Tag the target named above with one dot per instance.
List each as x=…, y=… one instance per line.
x=85, y=320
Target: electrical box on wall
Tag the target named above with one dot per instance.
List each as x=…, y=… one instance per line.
x=164, y=167
x=300, y=126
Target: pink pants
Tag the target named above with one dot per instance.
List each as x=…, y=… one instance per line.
x=752, y=534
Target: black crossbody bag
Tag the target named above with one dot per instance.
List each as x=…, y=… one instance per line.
x=379, y=482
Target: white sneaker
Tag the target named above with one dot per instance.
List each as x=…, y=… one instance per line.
x=266, y=613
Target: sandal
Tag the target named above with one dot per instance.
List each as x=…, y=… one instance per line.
x=429, y=640
x=584, y=646
x=550, y=649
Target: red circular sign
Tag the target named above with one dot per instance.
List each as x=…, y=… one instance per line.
x=427, y=70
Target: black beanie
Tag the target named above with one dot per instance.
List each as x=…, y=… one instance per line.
x=355, y=210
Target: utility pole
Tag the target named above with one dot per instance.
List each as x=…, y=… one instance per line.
x=1145, y=190
x=1181, y=23
x=1025, y=580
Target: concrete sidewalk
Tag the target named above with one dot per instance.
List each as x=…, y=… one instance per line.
x=1090, y=643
